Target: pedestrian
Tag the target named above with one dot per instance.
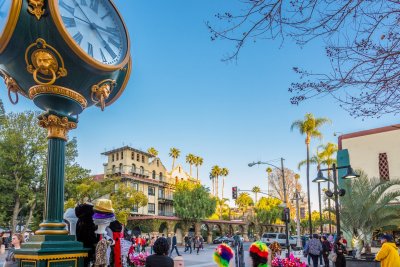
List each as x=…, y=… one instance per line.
x=314, y=249
x=138, y=243
x=144, y=244
x=326, y=248
x=186, y=241
x=260, y=255
x=188, y=244
x=169, y=239
x=174, y=246
x=275, y=249
x=388, y=254
x=223, y=255
x=197, y=244
x=201, y=242
x=160, y=258
x=340, y=250
x=16, y=241
x=153, y=239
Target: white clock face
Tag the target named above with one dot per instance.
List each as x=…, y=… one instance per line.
x=96, y=27
x=5, y=7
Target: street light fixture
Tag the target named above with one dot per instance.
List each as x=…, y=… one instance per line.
x=284, y=195
x=337, y=192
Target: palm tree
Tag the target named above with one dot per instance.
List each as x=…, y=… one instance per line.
x=224, y=173
x=368, y=206
x=174, y=153
x=198, y=162
x=255, y=190
x=221, y=202
x=215, y=172
x=328, y=154
x=190, y=159
x=310, y=127
x=152, y=151
x=212, y=178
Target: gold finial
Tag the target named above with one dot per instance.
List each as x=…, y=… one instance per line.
x=56, y=127
x=35, y=7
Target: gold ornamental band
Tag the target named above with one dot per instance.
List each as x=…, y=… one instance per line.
x=51, y=257
x=56, y=127
x=51, y=232
x=45, y=224
x=57, y=90
x=11, y=23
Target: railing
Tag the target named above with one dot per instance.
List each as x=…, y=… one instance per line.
x=126, y=170
x=165, y=196
x=166, y=213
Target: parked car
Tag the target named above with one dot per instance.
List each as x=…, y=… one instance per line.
x=223, y=239
x=269, y=238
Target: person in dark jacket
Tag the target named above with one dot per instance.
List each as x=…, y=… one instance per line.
x=160, y=258
x=326, y=248
x=174, y=246
x=340, y=250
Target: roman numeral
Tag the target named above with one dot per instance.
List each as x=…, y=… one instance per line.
x=83, y=3
x=113, y=31
x=94, y=5
x=69, y=22
x=105, y=16
x=103, y=56
x=78, y=37
x=110, y=51
x=114, y=42
x=90, y=49
x=70, y=9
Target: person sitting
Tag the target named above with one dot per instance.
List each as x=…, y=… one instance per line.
x=160, y=258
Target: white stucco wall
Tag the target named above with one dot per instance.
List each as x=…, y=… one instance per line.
x=364, y=152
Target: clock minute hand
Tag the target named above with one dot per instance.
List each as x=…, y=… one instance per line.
x=103, y=29
x=80, y=8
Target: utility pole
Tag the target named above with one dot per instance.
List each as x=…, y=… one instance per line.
x=297, y=199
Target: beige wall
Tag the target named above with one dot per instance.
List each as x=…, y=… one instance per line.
x=364, y=152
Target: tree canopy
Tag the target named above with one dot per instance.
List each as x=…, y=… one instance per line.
x=361, y=43
x=268, y=210
x=192, y=201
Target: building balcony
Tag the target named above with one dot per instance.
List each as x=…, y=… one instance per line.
x=165, y=197
x=166, y=213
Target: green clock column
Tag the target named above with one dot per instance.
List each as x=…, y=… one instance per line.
x=52, y=246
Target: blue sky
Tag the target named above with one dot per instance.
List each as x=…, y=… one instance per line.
x=181, y=95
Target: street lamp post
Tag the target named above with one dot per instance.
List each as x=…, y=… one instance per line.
x=337, y=192
x=297, y=198
x=284, y=195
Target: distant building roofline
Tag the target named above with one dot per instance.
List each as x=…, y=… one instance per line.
x=126, y=148
x=367, y=132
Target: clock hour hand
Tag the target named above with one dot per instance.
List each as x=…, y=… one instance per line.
x=108, y=30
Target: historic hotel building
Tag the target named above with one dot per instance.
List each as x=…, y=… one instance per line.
x=147, y=174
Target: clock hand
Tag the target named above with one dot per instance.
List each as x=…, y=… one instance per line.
x=76, y=4
x=103, y=29
x=78, y=18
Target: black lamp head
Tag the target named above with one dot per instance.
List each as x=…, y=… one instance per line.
x=320, y=178
x=350, y=174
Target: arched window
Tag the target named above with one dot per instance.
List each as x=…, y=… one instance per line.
x=158, y=163
x=161, y=177
x=113, y=168
x=121, y=168
x=154, y=174
x=122, y=154
x=141, y=170
x=133, y=168
x=117, y=156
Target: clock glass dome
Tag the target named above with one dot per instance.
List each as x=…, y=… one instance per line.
x=96, y=28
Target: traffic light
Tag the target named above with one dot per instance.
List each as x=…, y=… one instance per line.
x=234, y=192
x=286, y=215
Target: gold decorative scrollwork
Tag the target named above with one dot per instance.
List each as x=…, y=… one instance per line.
x=44, y=62
x=35, y=7
x=56, y=127
x=12, y=86
x=101, y=92
x=57, y=90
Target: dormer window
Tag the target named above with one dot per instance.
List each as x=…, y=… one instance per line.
x=122, y=155
x=158, y=163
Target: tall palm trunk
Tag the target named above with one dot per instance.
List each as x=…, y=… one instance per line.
x=255, y=193
x=197, y=172
x=223, y=185
x=190, y=170
x=308, y=183
x=173, y=163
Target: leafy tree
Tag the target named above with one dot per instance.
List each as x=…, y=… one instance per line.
x=152, y=151
x=22, y=155
x=124, y=198
x=256, y=190
x=244, y=201
x=198, y=162
x=215, y=173
x=268, y=210
x=361, y=42
x=310, y=127
x=368, y=206
x=174, y=153
x=190, y=159
x=89, y=189
x=192, y=201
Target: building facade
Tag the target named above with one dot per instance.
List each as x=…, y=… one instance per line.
x=375, y=151
x=147, y=174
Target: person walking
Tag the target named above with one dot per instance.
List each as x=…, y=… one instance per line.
x=340, y=250
x=160, y=258
x=388, y=254
x=16, y=241
x=315, y=249
x=326, y=248
x=174, y=246
x=169, y=240
x=197, y=243
x=152, y=240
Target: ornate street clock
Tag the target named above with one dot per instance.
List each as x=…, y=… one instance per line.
x=64, y=55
